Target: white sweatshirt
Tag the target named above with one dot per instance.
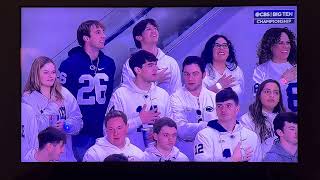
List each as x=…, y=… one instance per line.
x=152, y=154
x=246, y=121
x=130, y=99
x=271, y=70
x=29, y=130
x=103, y=148
x=43, y=108
x=164, y=61
x=213, y=76
x=184, y=108
x=215, y=143
x=30, y=156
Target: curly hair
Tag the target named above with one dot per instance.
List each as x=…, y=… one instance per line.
x=272, y=37
x=255, y=110
x=207, y=53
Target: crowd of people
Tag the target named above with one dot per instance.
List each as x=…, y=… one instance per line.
x=160, y=112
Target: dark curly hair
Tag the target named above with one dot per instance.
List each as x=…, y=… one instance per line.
x=255, y=110
x=207, y=56
x=272, y=37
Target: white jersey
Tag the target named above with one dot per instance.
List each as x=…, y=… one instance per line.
x=29, y=130
x=130, y=100
x=44, y=109
x=164, y=61
x=103, y=148
x=184, y=107
x=271, y=70
x=30, y=156
x=265, y=146
x=213, y=76
x=215, y=143
x=152, y=154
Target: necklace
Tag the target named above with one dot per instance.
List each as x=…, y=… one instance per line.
x=93, y=67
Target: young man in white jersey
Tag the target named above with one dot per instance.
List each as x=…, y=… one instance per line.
x=146, y=36
x=164, y=150
x=193, y=106
x=115, y=141
x=51, y=146
x=225, y=139
x=142, y=101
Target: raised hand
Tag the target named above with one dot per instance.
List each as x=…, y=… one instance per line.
x=163, y=76
x=290, y=74
x=148, y=117
x=59, y=124
x=226, y=81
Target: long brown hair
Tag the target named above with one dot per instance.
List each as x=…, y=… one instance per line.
x=33, y=82
x=255, y=110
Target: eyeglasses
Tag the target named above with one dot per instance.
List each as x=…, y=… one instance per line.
x=199, y=114
x=223, y=46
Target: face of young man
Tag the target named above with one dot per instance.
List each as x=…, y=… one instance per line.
x=150, y=35
x=148, y=72
x=270, y=96
x=220, y=50
x=47, y=75
x=281, y=50
x=193, y=77
x=166, y=138
x=289, y=133
x=117, y=131
x=56, y=150
x=227, y=111
x=96, y=39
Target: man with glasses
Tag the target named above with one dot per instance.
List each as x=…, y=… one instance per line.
x=193, y=105
x=142, y=101
x=225, y=139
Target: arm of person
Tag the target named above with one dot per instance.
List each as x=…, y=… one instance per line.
x=257, y=151
x=186, y=130
x=74, y=116
x=203, y=148
x=176, y=77
x=29, y=129
x=90, y=156
x=127, y=76
x=64, y=74
x=246, y=121
x=239, y=87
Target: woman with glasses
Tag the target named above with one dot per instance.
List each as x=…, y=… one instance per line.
x=262, y=112
x=221, y=65
x=277, y=60
x=53, y=105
